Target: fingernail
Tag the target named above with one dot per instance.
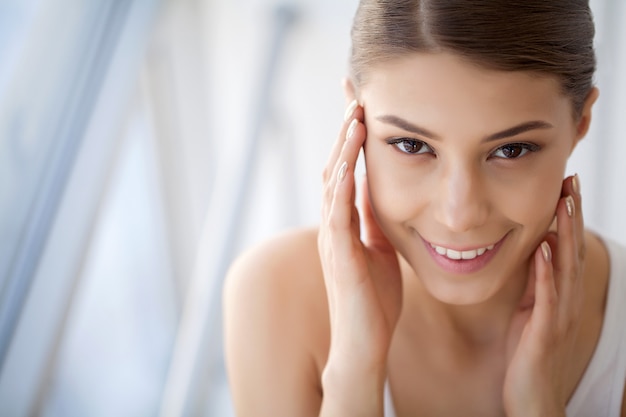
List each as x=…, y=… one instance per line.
x=351, y=128
x=546, y=251
x=569, y=204
x=576, y=184
x=342, y=171
x=350, y=110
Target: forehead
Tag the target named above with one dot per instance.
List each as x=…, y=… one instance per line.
x=442, y=88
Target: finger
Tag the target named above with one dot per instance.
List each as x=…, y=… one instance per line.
x=329, y=175
x=568, y=257
x=353, y=111
x=337, y=180
x=343, y=217
x=571, y=186
x=334, y=164
x=579, y=218
x=543, y=317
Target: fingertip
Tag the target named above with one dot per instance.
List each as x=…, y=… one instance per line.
x=570, y=206
x=571, y=186
x=342, y=171
x=543, y=263
x=351, y=129
x=350, y=110
x=572, y=193
x=546, y=252
x=576, y=184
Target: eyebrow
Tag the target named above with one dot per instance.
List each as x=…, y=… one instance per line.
x=507, y=133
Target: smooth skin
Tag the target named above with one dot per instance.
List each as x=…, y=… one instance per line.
x=317, y=320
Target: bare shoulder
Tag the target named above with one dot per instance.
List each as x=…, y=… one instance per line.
x=276, y=327
x=293, y=250
x=280, y=270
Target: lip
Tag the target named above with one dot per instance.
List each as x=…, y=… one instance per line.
x=464, y=266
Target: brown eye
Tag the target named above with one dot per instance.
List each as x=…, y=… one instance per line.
x=410, y=146
x=514, y=150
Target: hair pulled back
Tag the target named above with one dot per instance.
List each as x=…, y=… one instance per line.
x=551, y=37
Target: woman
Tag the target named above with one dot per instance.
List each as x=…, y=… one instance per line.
x=465, y=284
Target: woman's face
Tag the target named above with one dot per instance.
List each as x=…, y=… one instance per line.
x=464, y=162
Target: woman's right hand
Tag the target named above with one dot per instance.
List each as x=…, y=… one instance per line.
x=363, y=283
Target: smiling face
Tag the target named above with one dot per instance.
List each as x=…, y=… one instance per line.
x=464, y=162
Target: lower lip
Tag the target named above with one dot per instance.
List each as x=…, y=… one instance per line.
x=464, y=266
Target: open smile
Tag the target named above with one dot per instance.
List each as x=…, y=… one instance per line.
x=456, y=255
x=463, y=260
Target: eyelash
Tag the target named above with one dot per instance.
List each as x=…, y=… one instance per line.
x=413, y=142
x=525, y=147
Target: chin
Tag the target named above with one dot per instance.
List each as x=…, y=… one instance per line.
x=470, y=292
x=468, y=288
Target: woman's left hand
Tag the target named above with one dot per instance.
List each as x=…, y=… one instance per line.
x=542, y=335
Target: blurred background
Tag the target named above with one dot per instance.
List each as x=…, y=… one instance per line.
x=143, y=145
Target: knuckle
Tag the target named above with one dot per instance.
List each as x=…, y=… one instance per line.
x=325, y=174
x=328, y=191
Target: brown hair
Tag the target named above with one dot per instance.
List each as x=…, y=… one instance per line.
x=552, y=37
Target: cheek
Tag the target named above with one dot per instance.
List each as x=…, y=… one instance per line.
x=397, y=193
x=532, y=199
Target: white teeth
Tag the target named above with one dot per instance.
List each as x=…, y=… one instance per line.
x=456, y=255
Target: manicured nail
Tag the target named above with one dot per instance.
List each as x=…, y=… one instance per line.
x=350, y=110
x=342, y=171
x=576, y=184
x=351, y=128
x=546, y=251
x=569, y=204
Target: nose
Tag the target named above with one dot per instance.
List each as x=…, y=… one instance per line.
x=462, y=203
